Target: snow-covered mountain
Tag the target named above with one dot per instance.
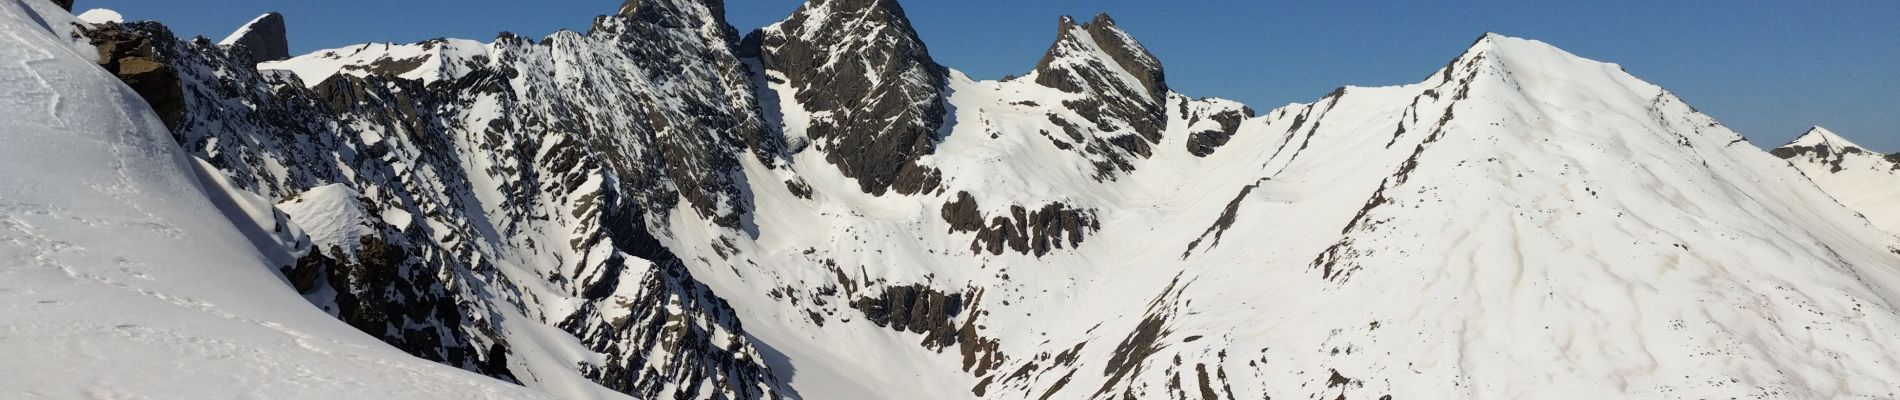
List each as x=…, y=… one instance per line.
x=121, y=275
x=1864, y=181
x=658, y=208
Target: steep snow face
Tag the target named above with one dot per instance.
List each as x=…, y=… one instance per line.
x=1864, y=181
x=115, y=259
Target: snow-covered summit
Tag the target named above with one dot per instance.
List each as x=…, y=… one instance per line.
x=1863, y=180
x=1822, y=137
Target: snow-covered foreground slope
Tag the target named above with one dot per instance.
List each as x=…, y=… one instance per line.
x=1865, y=181
x=658, y=208
x=120, y=278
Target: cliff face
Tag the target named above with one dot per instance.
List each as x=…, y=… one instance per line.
x=876, y=96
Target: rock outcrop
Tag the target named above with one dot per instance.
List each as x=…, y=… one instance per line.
x=133, y=57
x=525, y=182
x=875, y=96
x=264, y=37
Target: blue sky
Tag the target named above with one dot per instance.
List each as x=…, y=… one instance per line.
x=1768, y=69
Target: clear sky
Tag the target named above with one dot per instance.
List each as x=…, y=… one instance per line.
x=1768, y=69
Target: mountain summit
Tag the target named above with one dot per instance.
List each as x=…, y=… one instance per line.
x=1860, y=179
x=874, y=96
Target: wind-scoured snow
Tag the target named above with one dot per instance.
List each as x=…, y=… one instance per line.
x=119, y=278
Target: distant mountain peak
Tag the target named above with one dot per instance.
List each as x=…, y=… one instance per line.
x=1100, y=48
x=1817, y=136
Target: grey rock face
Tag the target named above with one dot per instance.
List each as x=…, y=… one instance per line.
x=264, y=37
x=1028, y=231
x=860, y=65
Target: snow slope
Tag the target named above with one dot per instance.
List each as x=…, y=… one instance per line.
x=1860, y=179
x=120, y=279
x=657, y=208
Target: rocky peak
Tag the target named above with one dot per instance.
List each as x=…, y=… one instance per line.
x=1822, y=137
x=709, y=15
x=1124, y=91
x=1820, y=145
x=875, y=94
x=264, y=36
x=1107, y=51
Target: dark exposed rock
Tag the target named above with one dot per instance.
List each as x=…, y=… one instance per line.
x=962, y=213
x=1132, y=355
x=1122, y=107
x=945, y=320
x=917, y=309
x=264, y=38
x=861, y=65
x=1202, y=143
x=308, y=271
x=65, y=4
x=385, y=289
x=1054, y=226
x=1226, y=220
x=128, y=51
